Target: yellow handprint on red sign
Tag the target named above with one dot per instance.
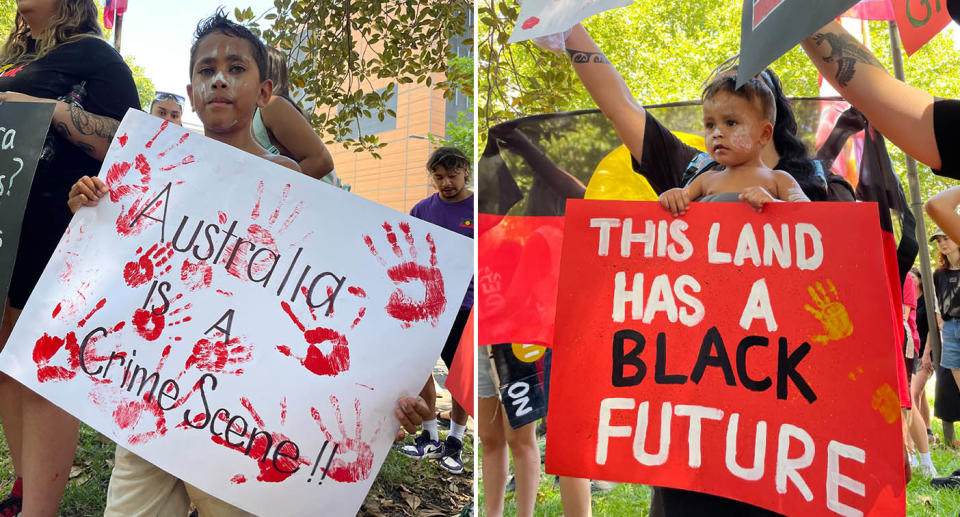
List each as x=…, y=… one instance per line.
x=830, y=312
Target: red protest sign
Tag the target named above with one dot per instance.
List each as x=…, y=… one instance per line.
x=741, y=354
x=919, y=21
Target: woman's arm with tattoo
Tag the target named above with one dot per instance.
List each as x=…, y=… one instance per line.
x=91, y=133
x=608, y=89
x=903, y=113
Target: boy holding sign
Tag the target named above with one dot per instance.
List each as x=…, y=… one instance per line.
x=228, y=83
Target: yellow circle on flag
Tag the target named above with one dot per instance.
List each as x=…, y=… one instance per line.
x=615, y=179
x=528, y=353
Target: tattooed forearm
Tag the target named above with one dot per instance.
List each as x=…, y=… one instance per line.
x=846, y=52
x=87, y=148
x=63, y=129
x=90, y=124
x=580, y=56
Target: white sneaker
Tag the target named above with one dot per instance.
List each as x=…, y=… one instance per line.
x=928, y=471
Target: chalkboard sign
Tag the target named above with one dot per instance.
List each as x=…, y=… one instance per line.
x=23, y=128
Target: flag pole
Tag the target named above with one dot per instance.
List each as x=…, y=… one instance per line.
x=118, y=25
x=916, y=203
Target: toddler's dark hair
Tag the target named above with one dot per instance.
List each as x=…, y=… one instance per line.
x=220, y=23
x=753, y=90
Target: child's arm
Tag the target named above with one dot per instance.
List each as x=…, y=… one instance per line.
x=788, y=189
x=86, y=191
x=677, y=200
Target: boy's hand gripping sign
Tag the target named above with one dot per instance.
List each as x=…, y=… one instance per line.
x=741, y=354
x=239, y=325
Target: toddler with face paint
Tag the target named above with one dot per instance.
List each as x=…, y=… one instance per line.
x=738, y=123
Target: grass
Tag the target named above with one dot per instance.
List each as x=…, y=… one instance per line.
x=403, y=487
x=922, y=499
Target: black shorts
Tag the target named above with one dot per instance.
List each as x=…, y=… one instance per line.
x=453, y=340
x=45, y=220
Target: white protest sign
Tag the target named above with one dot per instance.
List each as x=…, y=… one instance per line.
x=545, y=17
x=243, y=327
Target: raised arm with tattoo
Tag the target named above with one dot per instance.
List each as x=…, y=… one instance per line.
x=903, y=113
x=608, y=89
x=91, y=133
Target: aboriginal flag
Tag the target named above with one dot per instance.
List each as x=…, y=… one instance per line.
x=531, y=166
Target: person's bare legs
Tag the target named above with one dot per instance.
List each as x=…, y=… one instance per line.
x=11, y=394
x=490, y=429
x=429, y=394
x=575, y=496
x=49, y=445
x=526, y=465
x=917, y=386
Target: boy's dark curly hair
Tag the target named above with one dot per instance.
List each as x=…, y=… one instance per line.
x=220, y=23
x=450, y=158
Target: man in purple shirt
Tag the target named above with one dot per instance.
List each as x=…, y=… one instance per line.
x=452, y=208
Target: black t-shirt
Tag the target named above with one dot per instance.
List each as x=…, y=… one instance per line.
x=947, y=283
x=110, y=92
x=946, y=128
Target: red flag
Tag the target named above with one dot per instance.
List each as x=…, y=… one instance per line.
x=919, y=22
x=519, y=262
x=460, y=380
x=871, y=10
x=113, y=9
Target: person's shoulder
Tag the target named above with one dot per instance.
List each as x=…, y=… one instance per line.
x=280, y=159
x=423, y=204
x=94, y=49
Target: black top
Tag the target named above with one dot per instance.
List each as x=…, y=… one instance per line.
x=947, y=283
x=110, y=92
x=946, y=120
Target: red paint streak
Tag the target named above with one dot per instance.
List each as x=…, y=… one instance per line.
x=255, y=213
x=530, y=23
x=433, y=250
x=122, y=139
x=186, y=161
x=238, y=479
x=143, y=167
x=356, y=291
x=286, y=308
x=225, y=293
x=283, y=411
x=341, y=470
x=174, y=146
x=253, y=413
x=373, y=250
x=154, y=139
x=364, y=386
x=404, y=308
x=56, y=310
x=100, y=304
x=392, y=239
x=222, y=216
x=405, y=227
x=283, y=200
x=360, y=313
x=196, y=276
x=293, y=217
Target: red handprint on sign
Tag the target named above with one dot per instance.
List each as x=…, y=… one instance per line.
x=259, y=448
x=213, y=355
x=196, y=276
x=402, y=306
x=58, y=359
x=342, y=468
x=149, y=323
x=118, y=179
x=142, y=270
x=334, y=360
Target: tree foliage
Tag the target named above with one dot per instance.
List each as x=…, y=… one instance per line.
x=340, y=48
x=459, y=133
x=664, y=52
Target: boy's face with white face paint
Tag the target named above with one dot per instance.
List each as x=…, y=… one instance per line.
x=225, y=87
x=735, y=129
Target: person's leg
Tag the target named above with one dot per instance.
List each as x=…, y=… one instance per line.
x=138, y=487
x=209, y=506
x=575, y=497
x=11, y=395
x=49, y=445
x=526, y=465
x=452, y=459
x=918, y=395
x=918, y=432
x=490, y=429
